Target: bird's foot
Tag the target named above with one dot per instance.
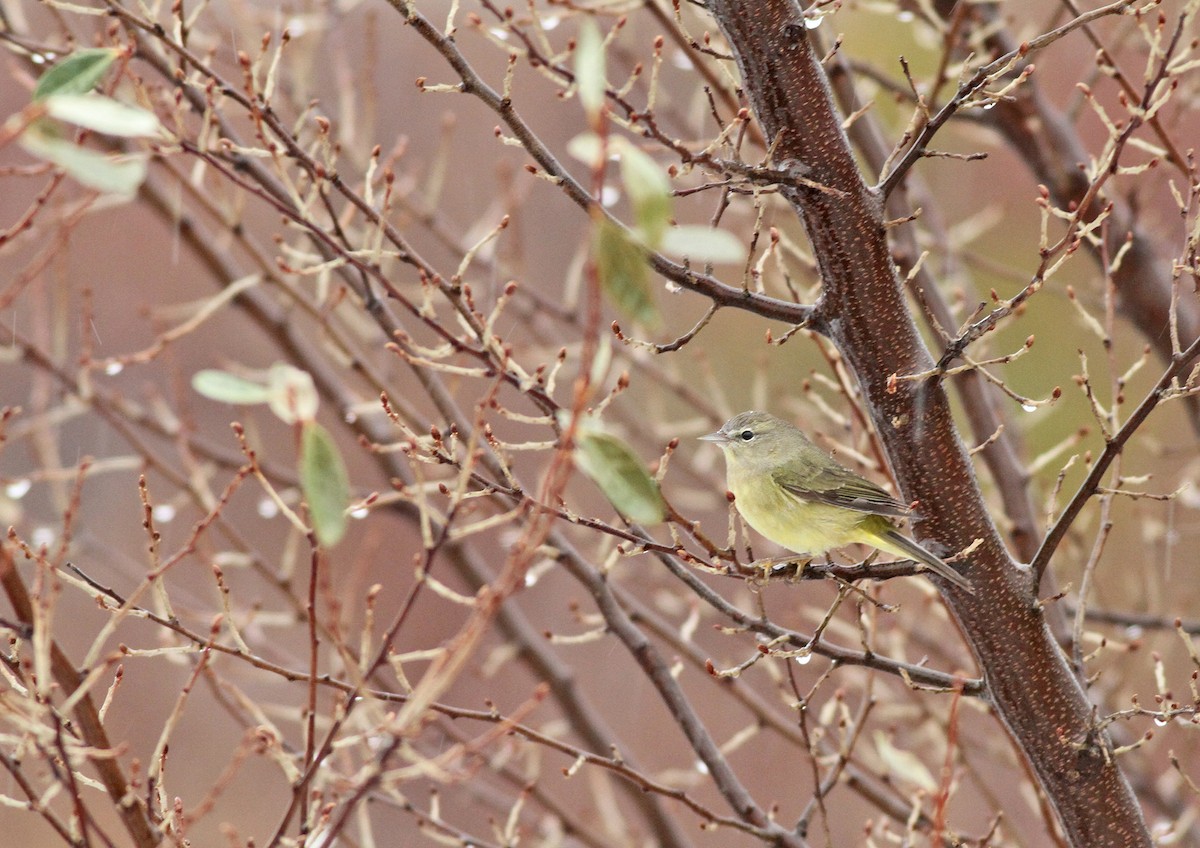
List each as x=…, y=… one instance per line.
x=784, y=566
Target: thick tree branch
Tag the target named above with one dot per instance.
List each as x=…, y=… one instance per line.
x=863, y=307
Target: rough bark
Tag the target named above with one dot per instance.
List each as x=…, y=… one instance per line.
x=862, y=309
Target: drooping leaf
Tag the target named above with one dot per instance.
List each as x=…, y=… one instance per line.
x=325, y=483
x=649, y=192
x=903, y=764
x=103, y=114
x=586, y=147
x=703, y=244
x=102, y=172
x=292, y=394
x=620, y=474
x=229, y=388
x=589, y=70
x=601, y=361
x=76, y=74
x=624, y=275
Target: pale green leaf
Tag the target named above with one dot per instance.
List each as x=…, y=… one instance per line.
x=76, y=74
x=624, y=275
x=229, y=388
x=903, y=764
x=649, y=192
x=589, y=70
x=620, y=474
x=103, y=114
x=601, y=362
x=325, y=483
x=703, y=244
x=586, y=147
x=99, y=171
x=291, y=393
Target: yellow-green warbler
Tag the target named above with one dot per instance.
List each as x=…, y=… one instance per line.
x=798, y=496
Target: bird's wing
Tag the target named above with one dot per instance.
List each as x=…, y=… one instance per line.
x=841, y=487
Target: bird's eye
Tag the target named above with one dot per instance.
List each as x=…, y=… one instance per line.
x=746, y=435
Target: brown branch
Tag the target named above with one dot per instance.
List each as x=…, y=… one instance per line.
x=1112, y=450
x=1030, y=685
x=1052, y=148
x=473, y=84
x=87, y=723
x=919, y=145
x=659, y=673
x=32, y=795
x=1000, y=452
x=916, y=674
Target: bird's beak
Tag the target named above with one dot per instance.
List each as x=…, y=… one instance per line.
x=718, y=437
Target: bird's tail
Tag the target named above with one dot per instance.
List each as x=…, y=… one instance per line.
x=901, y=545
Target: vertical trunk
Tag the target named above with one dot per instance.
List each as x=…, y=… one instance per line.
x=863, y=311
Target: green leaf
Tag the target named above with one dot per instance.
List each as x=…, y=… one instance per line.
x=703, y=244
x=589, y=70
x=904, y=764
x=103, y=114
x=76, y=74
x=229, y=388
x=620, y=474
x=324, y=482
x=649, y=193
x=586, y=147
x=601, y=362
x=95, y=170
x=624, y=275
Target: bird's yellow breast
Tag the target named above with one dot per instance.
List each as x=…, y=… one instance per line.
x=798, y=525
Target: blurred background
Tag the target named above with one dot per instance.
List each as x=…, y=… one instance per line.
x=112, y=304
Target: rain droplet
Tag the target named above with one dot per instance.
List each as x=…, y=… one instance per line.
x=112, y=369
x=610, y=195
x=989, y=105
x=531, y=579
x=17, y=489
x=42, y=537
x=813, y=22
x=1161, y=721
x=499, y=33
x=551, y=22
x=350, y=417
x=379, y=741
x=360, y=513
x=905, y=16
x=673, y=287
x=1134, y=631
x=1029, y=407
x=701, y=767
x=681, y=60
x=267, y=508
x=163, y=513
x=805, y=658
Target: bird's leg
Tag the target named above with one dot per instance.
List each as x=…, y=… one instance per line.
x=776, y=566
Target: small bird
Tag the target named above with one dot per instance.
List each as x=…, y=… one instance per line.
x=798, y=496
